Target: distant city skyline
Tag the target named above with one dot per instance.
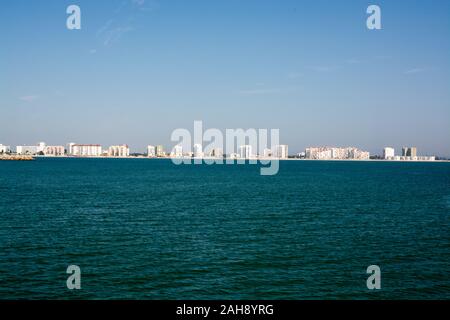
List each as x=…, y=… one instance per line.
x=137, y=70
x=244, y=151
x=143, y=149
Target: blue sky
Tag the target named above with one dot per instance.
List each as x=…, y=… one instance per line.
x=139, y=69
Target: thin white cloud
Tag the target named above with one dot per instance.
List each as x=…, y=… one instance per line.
x=115, y=34
x=415, y=70
x=123, y=19
x=145, y=5
x=103, y=28
x=29, y=98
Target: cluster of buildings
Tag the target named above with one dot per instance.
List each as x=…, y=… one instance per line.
x=352, y=153
x=73, y=149
x=156, y=151
x=333, y=153
x=408, y=154
x=41, y=149
x=243, y=152
x=96, y=150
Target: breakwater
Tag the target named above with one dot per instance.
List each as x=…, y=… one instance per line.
x=16, y=157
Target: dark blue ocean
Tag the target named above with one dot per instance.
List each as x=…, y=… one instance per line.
x=148, y=229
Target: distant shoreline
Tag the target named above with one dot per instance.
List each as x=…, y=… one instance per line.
x=22, y=157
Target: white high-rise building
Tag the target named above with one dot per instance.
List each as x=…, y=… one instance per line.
x=281, y=151
x=86, y=150
x=119, y=151
x=41, y=146
x=198, y=151
x=160, y=151
x=245, y=151
x=30, y=150
x=177, y=151
x=70, y=151
x=389, y=153
x=151, y=151
x=4, y=149
x=54, y=151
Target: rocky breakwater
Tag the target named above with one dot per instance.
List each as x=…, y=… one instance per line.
x=12, y=157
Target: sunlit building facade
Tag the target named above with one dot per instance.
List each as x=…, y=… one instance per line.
x=160, y=151
x=86, y=150
x=119, y=151
x=281, y=151
x=24, y=150
x=331, y=153
x=177, y=151
x=245, y=152
x=4, y=149
x=151, y=151
x=54, y=151
x=389, y=153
